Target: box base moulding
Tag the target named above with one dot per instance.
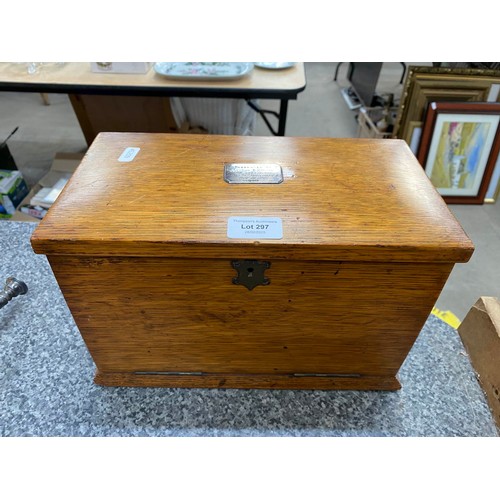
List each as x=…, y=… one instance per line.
x=247, y=381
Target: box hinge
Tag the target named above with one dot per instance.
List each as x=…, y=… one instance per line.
x=169, y=373
x=326, y=375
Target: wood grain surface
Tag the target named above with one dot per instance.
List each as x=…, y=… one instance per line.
x=141, y=253
x=247, y=381
x=341, y=199
x=339, y=319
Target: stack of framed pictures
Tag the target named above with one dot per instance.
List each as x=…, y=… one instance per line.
x=425, y=85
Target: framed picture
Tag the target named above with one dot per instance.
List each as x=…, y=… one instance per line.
x=493, y=192
x=459, y=148
x=426, y=84
x=415, y=133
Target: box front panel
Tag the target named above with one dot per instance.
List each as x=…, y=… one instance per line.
x=186, y=315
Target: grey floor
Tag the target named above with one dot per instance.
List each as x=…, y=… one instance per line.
x=319, y=111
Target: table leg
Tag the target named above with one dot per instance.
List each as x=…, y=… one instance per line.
x=281, y=116
x=337, y=71
x=283, y=112
x=404, y=71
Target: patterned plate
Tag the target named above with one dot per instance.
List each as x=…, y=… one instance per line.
x=274, y=65
x=203, y=70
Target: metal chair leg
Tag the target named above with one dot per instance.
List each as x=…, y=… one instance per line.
x=337, y=71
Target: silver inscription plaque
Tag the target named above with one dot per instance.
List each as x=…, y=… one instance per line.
x=253, y=173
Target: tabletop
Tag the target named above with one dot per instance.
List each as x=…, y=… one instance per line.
x=47, y=389
x=77, y=77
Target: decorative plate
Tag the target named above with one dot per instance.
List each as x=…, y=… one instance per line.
x=203, y=70
x=274, y=65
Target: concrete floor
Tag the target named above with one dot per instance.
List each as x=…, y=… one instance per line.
x=319, y=111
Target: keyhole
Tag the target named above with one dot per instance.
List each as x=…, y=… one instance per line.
x=250, y=272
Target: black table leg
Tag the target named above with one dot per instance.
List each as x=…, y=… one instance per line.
x=337, y=71
x=404, y=71
x=282, y=121
x=281, y=116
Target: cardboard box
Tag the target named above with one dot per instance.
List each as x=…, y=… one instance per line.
x=13, y=189
x=64, y=165
x=120, y=67
x=480, y=334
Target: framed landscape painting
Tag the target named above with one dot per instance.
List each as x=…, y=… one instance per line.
x=459, y=148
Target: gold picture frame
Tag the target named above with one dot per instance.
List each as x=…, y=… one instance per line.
x=426, y=84
x=414, y=134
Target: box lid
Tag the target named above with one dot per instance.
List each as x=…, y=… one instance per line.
x=340, y=199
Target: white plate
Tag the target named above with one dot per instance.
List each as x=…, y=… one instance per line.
x=203, y=70
x=274, y=65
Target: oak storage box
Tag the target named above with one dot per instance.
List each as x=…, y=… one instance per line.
x=164, y=258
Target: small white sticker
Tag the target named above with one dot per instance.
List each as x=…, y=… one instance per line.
x=260, y=228
x=129, y=154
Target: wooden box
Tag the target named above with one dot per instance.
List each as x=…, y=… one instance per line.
x=164, y=258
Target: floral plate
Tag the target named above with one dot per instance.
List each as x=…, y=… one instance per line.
x=203, y=70
x=274, y=65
